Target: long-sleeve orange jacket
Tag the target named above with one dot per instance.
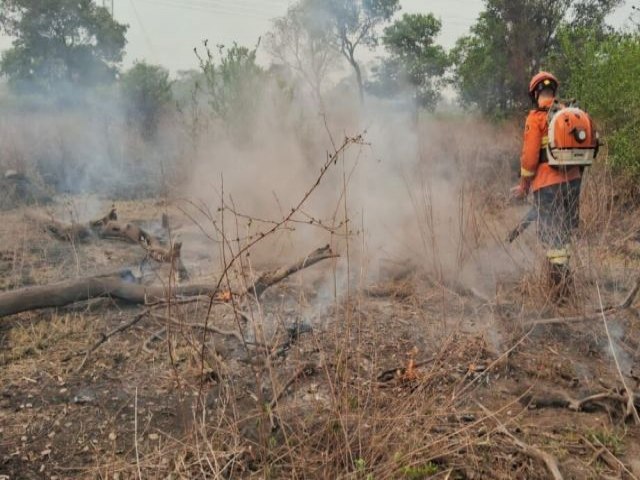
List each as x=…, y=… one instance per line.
x=536, y=138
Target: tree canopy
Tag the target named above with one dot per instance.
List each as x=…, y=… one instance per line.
x=303, y=41
x=57, y=42
x=511, y=41
x=233, y=81
x=354, y=24
x=415, y=60
x=146, y=91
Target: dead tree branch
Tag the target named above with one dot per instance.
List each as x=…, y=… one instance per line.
x=304, y=371
x=209, y=328
x=120, y=286
x=586, y=404
x=108, y=227
x=258, y=287
x=625, y=305
x=271, y=278
x=602, y=452
x=105, y=337
x=631, y=410
x=549, y=460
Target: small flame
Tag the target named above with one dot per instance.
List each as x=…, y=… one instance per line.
x=410, y=373
x=224, y=296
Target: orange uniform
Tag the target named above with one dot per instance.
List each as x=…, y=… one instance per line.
x=536, y=138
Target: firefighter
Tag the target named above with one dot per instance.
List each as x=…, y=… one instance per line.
x=556, y=190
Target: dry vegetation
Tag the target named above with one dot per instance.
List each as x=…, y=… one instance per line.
x=431, y=363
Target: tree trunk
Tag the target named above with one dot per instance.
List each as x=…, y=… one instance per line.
x=122, y=286
x=356, y=67
x=77, y=290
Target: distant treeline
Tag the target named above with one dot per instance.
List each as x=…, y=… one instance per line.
x=63, y=47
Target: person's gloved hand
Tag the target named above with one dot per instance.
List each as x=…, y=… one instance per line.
x=521, y=190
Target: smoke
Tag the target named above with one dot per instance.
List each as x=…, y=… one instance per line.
x=83, y=143
x=418, y=190
x=614, y=349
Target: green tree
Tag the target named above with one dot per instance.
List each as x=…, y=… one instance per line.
x=605, y=76
x=591, y=14
x=355, y=23
x=234, y=84
x=60, y=41
x=511, y=41
x=146, y=91
x=414, y=59
x=586, y=27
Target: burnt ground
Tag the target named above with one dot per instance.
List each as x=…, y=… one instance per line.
x=408, y=378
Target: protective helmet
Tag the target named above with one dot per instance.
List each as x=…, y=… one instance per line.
x=541, y=81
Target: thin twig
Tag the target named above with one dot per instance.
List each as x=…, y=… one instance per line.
x=209, y=328
x=631, y=407
x=549, y=460
x=135, y=433
x=494, y=363
x=625, y=305
x=631, y=297
x=302, y=372
x=607, y=456
x=323, y=170
x=107, y=336
x=157, y=335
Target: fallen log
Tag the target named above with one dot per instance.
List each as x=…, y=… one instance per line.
x=118, y=287
x=108, y=227
x=152, y=246
x=257, y=288
x=122, y=286
x=590, y=403
x=71, y=232
x=133, y=234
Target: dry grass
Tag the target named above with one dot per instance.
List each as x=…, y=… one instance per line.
x=181, y=404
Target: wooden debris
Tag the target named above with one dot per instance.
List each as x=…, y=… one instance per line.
x=589, y=403
x=263, y=282
x=625, y=305
x=122, y=286
x=108, y=227
x=119, y=287
x=534, y=452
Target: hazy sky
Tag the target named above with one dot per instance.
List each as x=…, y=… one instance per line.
x=165, y=31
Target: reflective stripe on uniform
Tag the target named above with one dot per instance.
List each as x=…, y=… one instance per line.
x=545, y=141
x=559, y=256
x=526, y=173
